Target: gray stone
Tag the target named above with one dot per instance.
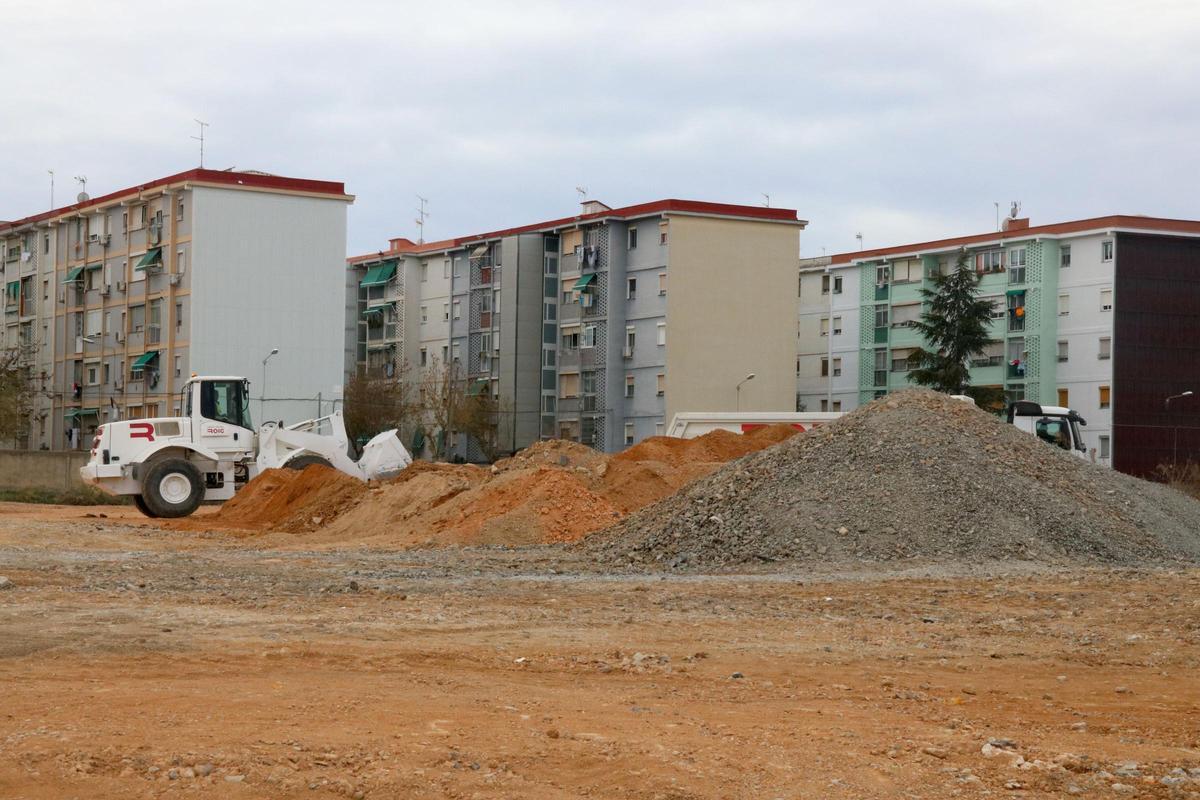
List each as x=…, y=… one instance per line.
x=204, y=770
x=5, y=583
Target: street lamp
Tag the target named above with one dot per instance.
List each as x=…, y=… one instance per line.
x=262, y=398
x=1175, y=438
x=738, y=391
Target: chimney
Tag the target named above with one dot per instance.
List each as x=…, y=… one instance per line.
x=594, y=207
x=401, y=244
x=1014, y=224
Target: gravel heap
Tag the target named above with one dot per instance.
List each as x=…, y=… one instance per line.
x=914, y=475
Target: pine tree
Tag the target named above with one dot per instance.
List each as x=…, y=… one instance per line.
x=955, y=328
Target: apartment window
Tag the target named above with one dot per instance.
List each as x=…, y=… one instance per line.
x=179, y=209
x=630, y=339
x=446, y=268
x=902, y=359
x=93, y=324
x=178, y=317
x=589, y=336
x=568, y=293
x=424, y=314
x=457, y=309
x=883, y=275
x=1105, y=448
x=659, y=428
x=180, y=264
x=549, y=312
x=662, y=232
x=178, y=366
x=137, y=318
x=92, y=372
x=837, y=284
x=547, y=358
x=108, y=371
x=1064, y=304
x=570, y=338
x=46, y=243
x=824, y=367
x=1016, y=265
x=424, y=357
x=825, y=284
x=904, y=316
x=1105, y=396
x=125, y=222
x=881, y=316
x=1105, y=348
x=1063, y=353
x=1106, y=300
x=837, y=326
x=1064, y=256
x=424, y=273
x=837, y=368
x=661, y=384
x=568, y=385
x=628, y=433
x=907, y=271
x=662, y=333
x=445, y=353
x=629, y=386
x=1064, y=398
x=1106, y=250
x=631, y=288
x=989, y=261
x=824, y=326
x=632, y=237
x=142, y=214
x=456, y=352
x=662, y=283
x=824, y=404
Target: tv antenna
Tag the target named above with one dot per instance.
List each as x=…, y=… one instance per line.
x=200, y=138
x=82, y=181
x=860, y=239
x=766, y=199
x=422, y=215
x=582, y=193
x=51, y=187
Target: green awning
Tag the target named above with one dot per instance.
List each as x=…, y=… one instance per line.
x=584, y=281
x=144, y=359
x=72, y=413
x=477, y=387
x=152, y=258
x=418, y=442
x=73, y=275
x=371, y=311
x=1015, y=291
x=93, y=266
x=378, y=276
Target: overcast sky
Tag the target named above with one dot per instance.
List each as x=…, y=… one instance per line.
x=904, y=121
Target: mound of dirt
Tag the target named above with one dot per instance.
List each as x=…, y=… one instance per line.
x=714, y=447
x=290, y=500
x=913, y=475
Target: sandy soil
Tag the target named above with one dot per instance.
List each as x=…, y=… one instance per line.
x=139, y=661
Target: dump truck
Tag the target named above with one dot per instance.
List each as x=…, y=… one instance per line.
x=170, y=465
x=1056, y=425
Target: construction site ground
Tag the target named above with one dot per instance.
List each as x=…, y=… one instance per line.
x=139, y=659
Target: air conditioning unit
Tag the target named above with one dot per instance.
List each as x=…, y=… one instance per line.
x=627, y=352
x=105, y=238
x=26, y=256
x=154, y=234
x=107, y=290
x=120, y=286
x=174, y=279
x=93, y=238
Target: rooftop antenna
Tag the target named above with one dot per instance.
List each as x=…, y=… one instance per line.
x=82, y=181
x=860, y=241
x=996, y=203
x=200, y=138
x=422, y=214
x=582, y=193
x=51, y=187
x=766, y=199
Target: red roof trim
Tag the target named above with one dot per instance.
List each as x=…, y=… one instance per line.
x=786, y=215
x=235, y=179
x=1075, y=226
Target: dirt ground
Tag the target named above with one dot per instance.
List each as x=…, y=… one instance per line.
x=138, y=661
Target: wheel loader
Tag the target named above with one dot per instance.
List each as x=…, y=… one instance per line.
x=170, y=465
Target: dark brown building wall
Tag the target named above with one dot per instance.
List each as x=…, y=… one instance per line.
x=1156, y=352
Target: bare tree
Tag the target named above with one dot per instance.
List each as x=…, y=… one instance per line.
x=443, y=391
x=16, y=393
x=375, y=403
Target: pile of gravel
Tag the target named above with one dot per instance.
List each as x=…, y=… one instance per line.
x=914, y=475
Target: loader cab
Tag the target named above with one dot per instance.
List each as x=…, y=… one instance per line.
x=219, y=411
x=1055, y=425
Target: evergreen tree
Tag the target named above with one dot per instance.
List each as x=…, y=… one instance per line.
x=955, y=328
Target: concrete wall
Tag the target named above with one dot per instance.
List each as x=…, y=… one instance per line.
x=731, y=310
x=20, y=469
x=269, y=271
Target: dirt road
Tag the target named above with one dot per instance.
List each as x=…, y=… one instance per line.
x=142, y=662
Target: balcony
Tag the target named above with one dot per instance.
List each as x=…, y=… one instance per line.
x=881, y=335
x=881, y=291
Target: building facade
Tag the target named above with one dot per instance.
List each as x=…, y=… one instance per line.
x=567, y=322
x=114, y=301
x=827, y=336
x=1098, y=315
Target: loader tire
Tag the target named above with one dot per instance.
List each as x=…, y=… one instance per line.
x=300, y=462
x=142, y=507
x=172, y=487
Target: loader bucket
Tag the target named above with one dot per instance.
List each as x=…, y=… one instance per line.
x=384, y=456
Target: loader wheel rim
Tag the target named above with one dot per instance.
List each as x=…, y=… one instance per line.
x=175, y=488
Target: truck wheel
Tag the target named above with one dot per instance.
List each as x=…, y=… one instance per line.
x=300, y=462
x=142, y=507
x=172, y=488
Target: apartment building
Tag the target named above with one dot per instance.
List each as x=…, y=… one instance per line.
x=827, y=336
x=114, y=301
x=1099, y=314
x=596, y=327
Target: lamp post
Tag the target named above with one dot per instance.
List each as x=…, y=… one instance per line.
x=738, y=391
x=262, y=397
x=1175, y=441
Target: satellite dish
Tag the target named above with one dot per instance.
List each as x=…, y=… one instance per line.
x=82, y=197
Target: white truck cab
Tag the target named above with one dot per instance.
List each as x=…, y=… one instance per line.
x=1053, y=424
x=170, y=465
